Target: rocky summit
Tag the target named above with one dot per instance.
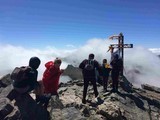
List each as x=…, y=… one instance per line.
x=129, y=103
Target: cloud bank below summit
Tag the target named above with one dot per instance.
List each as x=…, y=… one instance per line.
x=141, y=65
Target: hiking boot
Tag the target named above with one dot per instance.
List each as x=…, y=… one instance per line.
x=105, y=90
x=84, y=101
x=97, y=99
x=113, y=90
x=116, y=90
x=96, y=95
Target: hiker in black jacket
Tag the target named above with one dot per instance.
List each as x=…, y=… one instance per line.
x=117, y=66
x=31, y=83
x=88, y=67
x=34, y=63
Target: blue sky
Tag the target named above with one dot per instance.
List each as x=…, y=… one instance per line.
x=41, y=23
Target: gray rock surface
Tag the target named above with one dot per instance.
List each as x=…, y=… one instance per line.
x=73, y=72
x=14, y=106
x=130, y=103
x=151, y=88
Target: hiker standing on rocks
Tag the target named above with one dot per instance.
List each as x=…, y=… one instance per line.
x=116, y=64
x=105, y=74
x=51, y=76
x=88, y=67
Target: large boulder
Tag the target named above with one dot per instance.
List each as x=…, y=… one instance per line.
x=5, y=80
x=14, y=106
x=22, y=108
x=110, y=111
x=73, y=72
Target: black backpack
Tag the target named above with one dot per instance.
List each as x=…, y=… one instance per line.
x=89, y=65
x=117, y=64
x=21, y=73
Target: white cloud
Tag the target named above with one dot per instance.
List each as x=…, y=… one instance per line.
x=70, y=46
x=141, y=65
x=155, y=50
x=12, y=56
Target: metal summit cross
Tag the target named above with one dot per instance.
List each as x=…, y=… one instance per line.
x=120, y=46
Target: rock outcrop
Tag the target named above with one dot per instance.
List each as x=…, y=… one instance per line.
x=137, y=104
x=18, y=107
x=130, y=103
x=73, y=72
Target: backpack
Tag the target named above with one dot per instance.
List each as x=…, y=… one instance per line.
x=20, y=73
x=89, y=66
x=117, y=64
x=106, y=65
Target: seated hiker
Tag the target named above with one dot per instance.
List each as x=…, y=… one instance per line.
x=117, y=67
x=25, y=77
x=25, y=80
x=51, y=76
x=105, y=73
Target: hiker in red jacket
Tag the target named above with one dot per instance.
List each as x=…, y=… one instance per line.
x=51, y=76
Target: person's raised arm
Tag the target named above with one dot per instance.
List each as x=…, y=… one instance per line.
x=82, y=64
